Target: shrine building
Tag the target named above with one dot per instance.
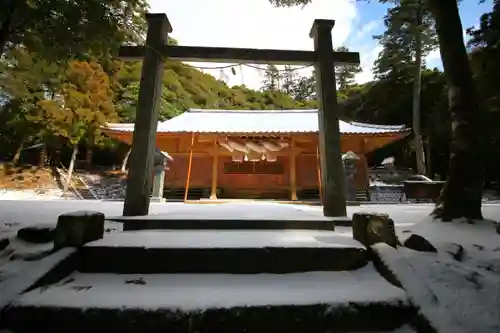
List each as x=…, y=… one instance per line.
x=258, y=154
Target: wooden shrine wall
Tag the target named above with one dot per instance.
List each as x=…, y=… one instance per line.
x=306, y=164
x=201, y=173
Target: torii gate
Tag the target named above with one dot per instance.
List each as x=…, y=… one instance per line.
x=139, y=181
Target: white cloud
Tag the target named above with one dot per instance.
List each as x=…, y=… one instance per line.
x=367, y=59
x=367, y=29
x=252, y=24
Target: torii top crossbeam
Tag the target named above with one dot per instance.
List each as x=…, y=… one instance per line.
x=237, y=55
x=157, y=49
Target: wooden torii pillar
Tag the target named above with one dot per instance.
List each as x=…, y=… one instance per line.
x=153, y=54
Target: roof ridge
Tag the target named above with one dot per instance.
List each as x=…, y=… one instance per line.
x=357, y=123
x=193, y=110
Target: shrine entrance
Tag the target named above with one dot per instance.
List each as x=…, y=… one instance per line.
x=255, y=169
x=154, y=52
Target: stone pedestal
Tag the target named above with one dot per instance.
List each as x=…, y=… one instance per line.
x=372, y=228
x=77, y=228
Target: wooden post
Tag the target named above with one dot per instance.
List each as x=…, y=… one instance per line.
x=139, y=181
x=293, y=171
x=215, y=171
x=188, y=178
x=320, y=187
x=332, y=174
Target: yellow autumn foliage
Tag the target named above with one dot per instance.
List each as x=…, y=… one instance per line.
x=82, y=103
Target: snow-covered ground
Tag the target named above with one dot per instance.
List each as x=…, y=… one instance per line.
x=50, y=194
x=457, y=296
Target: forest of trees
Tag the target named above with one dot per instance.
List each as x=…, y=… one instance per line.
x=58, y=86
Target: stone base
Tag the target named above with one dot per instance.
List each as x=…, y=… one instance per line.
x=158, y=200
x=77, y=228
x=315, y=318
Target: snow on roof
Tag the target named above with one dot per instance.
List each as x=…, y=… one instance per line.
x=255, y=121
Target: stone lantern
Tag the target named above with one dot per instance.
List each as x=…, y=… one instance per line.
x=160, y=162
x=349, y=160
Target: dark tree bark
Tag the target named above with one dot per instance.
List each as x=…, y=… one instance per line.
x=89, y=153
x=417, y=86
x=6, y=23
x=428, y=158
x=19, y=151
x=43, y=155
x=462, y=194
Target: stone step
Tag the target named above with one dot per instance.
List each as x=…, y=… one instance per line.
x=222, y=251
x=224, y=223
x=243, y=215
x=311, y=302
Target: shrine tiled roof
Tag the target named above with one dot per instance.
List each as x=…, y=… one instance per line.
x=256, y=121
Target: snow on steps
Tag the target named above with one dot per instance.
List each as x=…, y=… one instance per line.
x=298, y=302
x=222, y=251
x=17, y=279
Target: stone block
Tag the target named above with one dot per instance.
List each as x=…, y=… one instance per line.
x=4, y=242
x=37, y=233
x=372, y=228
x=419, y=243
x=75, y=229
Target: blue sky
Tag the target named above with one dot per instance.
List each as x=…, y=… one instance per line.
x=370, y=18
x=256, y=24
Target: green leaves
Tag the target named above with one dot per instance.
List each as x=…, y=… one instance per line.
x=403, y=22
x=58, y=29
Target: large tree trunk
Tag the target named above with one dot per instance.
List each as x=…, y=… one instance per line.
x=417, y=84
x=461, y=196
x=5, y=30
x=9, y=8
x=71, y=167
x=43, y=155
x=428, y=157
